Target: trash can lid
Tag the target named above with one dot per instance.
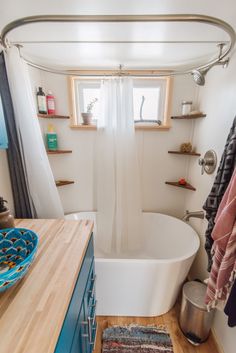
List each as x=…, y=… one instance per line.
x=195, y=292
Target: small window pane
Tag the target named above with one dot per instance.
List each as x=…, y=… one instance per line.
x=146, y=103
x=89, y=95
x=86, y=92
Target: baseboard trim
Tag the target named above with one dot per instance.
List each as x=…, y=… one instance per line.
x=219, y=346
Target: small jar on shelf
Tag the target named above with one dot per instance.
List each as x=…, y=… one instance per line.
x=186, y=107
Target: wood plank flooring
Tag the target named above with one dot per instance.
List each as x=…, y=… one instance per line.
x=181, y=345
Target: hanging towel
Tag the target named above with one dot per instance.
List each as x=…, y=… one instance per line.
x=230, y=308
x=223, y=176
x=224, y=249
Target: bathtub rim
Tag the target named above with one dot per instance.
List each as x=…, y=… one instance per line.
x=150, y=260
x=142, y=260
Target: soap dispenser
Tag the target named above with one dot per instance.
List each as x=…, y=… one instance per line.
x=6, y=219
x=51, y=137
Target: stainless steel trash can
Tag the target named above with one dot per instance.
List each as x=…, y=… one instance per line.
x=195, y=321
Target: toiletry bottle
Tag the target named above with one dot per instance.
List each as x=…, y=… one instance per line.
x=41, y=100
x=51, y=137
x=6, y=219
x=50, y=103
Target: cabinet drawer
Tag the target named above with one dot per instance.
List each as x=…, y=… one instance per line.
x=79, y=344
x=90, y=312
x=89, y=294
x=85, y=333
x=68, y=329
x=84, y=337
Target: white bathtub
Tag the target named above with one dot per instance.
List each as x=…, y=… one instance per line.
x=146, y=283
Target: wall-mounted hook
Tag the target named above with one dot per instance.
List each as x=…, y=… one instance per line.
x=208, y=162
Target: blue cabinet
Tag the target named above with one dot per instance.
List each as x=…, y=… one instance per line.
x=3, y=132
x=78, y=332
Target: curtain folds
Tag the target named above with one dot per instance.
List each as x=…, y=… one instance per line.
x=40, y=179
x=117, y=171
x=22, y=200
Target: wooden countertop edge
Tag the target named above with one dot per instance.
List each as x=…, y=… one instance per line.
x=33, y=328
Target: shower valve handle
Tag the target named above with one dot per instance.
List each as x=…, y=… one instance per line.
x=201, y=162
x=208, y=162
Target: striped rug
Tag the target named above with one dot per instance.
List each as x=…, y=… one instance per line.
x=136, y=339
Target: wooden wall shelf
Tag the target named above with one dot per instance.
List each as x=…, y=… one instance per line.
x=189, y=116
x=63, y=182
x=186, y=186
x=185, y=153
x=59, y=152
x=53, y=116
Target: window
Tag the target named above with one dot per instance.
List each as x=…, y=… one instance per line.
x=85, y=92
x=151, y=98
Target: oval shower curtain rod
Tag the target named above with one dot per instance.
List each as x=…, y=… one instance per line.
x=225, y=46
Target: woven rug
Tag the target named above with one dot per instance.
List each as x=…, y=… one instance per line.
x=135, y=339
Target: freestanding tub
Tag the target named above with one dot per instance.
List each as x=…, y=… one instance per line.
x=146, y=283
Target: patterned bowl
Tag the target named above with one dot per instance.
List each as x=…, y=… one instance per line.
x=18, y=247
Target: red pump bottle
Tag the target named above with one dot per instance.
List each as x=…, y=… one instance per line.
x=50, y=103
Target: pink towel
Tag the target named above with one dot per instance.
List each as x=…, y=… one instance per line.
x=224, y=249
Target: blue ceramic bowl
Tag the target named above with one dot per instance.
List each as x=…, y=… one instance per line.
x=18, y=247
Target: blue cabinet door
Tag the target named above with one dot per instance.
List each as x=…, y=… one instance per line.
x=85, y=333
x=70, y=324
x=3, y=131
x=79, y=344
x=90, y=309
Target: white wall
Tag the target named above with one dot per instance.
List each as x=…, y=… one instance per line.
x=217, y=99
x=157, y=165
x=5, y=185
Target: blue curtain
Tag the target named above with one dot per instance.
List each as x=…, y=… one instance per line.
x=3, y=131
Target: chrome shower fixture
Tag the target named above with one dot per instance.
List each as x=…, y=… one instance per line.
x=199, y=75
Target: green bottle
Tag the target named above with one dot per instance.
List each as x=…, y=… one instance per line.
x=51, y=137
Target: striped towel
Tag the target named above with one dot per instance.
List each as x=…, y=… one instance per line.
x=224, y=249
x=223, y=177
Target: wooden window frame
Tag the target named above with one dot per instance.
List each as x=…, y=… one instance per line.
x=97, y=74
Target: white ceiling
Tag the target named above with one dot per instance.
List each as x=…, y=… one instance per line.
x=110, y=55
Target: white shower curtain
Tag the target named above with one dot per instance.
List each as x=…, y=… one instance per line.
x=40, y=179
x=117, y=171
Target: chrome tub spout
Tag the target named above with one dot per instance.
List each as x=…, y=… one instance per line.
x=196, y=214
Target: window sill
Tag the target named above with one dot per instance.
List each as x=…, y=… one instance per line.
x=144, y=127
x=84, y=127
x=154, y=127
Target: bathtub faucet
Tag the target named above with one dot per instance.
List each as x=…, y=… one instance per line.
x=196, y=214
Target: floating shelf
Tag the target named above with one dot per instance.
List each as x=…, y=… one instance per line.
x=63, y=182
x=59, y=152
x=186, y=186
x=185, y=153
x=189, y=116
x=53, y=116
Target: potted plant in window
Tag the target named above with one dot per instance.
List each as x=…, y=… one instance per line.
x=87, y=117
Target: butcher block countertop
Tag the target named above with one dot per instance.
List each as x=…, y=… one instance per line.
x=32, y=312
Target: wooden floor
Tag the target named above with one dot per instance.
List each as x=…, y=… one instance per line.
x=181, y=345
